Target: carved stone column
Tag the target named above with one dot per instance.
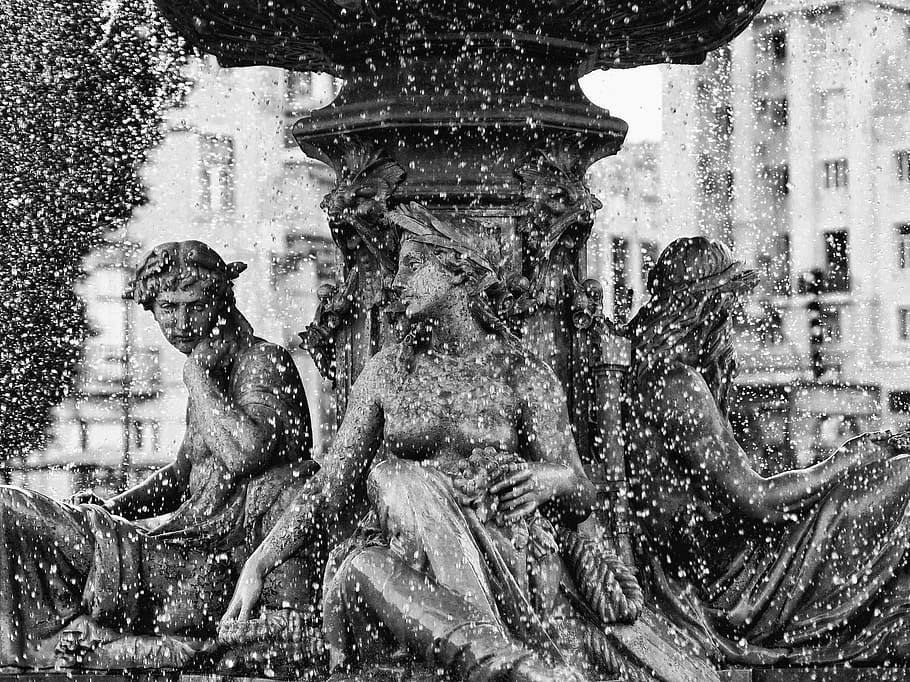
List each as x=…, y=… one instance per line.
x=506, y=141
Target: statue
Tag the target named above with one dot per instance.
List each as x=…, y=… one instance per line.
x=464, y=442
x=808, y=566
x=83, y=584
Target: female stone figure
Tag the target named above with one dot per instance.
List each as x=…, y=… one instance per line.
x=808, y=566
x=81, y=582
x=455, y=560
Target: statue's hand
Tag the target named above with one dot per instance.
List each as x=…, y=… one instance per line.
x=87, y=497
x=246, y=596
x=521, y=493
x=871, y=447
x=213, y=353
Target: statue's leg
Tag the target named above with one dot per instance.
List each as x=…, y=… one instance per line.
x=46, y=550
x=375, y=596
x=427, y=530
x=428, y=589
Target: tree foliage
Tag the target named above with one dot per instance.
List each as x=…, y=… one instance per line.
x=82, y=87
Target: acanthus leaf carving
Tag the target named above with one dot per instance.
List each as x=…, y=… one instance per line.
x=367, y=178
x=556, y=215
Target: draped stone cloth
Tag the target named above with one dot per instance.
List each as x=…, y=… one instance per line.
x=453, y=584
x=830, y=584
x=59, y=561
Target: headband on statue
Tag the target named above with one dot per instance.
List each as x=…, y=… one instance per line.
x=422, y=226
x=173, y=263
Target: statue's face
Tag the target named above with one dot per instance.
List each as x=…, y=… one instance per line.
x=424, y=286
x=187, y=316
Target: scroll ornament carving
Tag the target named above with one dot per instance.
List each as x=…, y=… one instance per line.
x=556, y=215
x=336, y=303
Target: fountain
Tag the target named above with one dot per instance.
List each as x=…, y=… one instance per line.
x=461, y=129
x=474, y=113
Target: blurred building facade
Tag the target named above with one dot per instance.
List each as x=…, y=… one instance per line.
x=228, y=173
x=629, y=229
x=793, y=145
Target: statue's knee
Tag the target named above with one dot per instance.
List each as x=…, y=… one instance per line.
x=388, y=480
x=11, y=497
x=366, y=567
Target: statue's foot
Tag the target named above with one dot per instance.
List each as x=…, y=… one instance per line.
x=534, y=669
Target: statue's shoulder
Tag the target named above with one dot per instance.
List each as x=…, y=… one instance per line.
x=384, y=363
x=266, y=361
x=262, y=352
x=668, y=374
x=671, y=388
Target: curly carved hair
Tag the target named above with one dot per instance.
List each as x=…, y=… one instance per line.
x=175, y=266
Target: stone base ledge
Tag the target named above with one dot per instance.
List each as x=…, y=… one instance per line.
x=394, y=674
x=835, y=674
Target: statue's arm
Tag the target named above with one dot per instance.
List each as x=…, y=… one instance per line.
x=240, y=430
x=323, y=495
x=160, y=493
x=328, y=491
x=687, y=416
x=547, y=436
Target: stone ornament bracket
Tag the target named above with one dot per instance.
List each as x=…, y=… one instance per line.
x=334, y=312
x=555, y=216
x=366, y=180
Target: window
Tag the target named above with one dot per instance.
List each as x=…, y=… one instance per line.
x=778, y=179
x=304, y=253
x=829, y=323
x=770, y=326
x=216, y=173
x=899, y=401
x=774, y=265
x=836, y=173
x=903, y=245
x=903, y=324
x=649, y=256
x=903, y=164
x=711, y=180
x=776, y=45
x=832, y=105
x=777, y=111
x=723, y=120
x=622, y=302
x=143, y=436
x=837, y=260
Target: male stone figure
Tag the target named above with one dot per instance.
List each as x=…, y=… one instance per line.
x=81, y=581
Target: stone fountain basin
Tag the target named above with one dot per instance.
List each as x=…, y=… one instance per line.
x=340, y=35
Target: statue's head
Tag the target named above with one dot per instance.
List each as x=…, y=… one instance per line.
x=438, y=263
x=188, y=287
x=694, y=287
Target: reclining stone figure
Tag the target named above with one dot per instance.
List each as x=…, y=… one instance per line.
x=81, y=583
x=808, y=566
